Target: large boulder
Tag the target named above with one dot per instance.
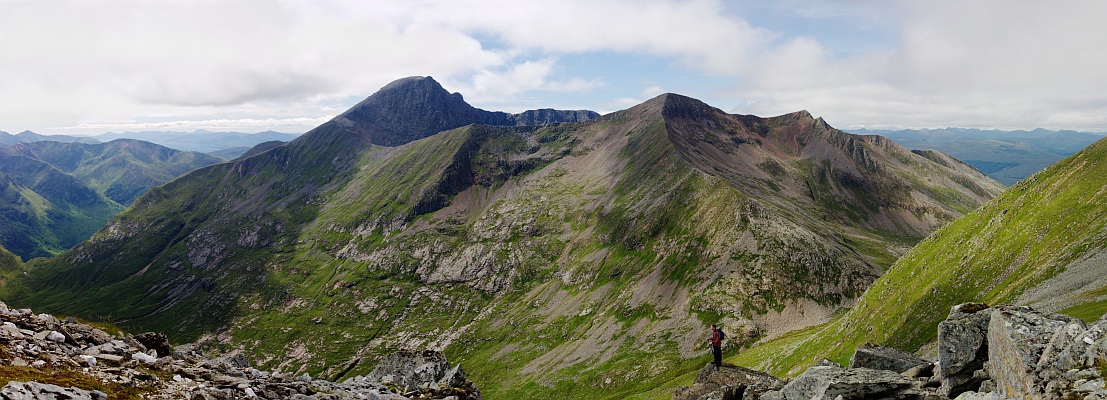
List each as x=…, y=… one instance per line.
x=829, y=382
x=156, y=341
x=963, y=348
x=728, y=382
x=886, y=358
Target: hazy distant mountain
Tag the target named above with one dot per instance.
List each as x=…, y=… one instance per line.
x=1006, y=156
x=260, y=148
x=201, y=140
x=548, y=258
x=28, y=136
x=121, y=169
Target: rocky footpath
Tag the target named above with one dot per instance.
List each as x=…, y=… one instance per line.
x=70, y=360
x=995, y=353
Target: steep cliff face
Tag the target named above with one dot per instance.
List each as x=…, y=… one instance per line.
x=571, y=257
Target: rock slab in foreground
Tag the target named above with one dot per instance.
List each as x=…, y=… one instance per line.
x=42, y=391
x=829, y=382
x=885, y=358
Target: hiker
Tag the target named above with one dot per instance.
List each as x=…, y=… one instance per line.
x=717, y=344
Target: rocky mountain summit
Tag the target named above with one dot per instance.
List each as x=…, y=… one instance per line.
x=96, y=365
x=1000, y=352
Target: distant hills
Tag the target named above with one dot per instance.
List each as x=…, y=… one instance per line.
x=7, y=139
x=1042, y=243
x=562, y=259
x=44, y=210
x=227, y=145
x=1006, y=156
x=58, y=194
x=201, y=140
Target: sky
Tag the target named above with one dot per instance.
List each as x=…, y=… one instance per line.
x=88, y=67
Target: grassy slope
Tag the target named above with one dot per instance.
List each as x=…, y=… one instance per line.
x=43, y=211
x=121, y=169
x=1022, y=238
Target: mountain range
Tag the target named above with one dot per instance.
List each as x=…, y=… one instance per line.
x=1006, y=156
x=555, y=254
x=58, y=194
x=225, y=145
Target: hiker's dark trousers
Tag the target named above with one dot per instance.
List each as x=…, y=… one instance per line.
x=718, y=352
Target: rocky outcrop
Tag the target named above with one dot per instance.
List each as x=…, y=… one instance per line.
x=884, y=358
x=1033, y=355
x=147, y=365
x=984, y=353
x=963, y=348
x=728, y=382
x=831, y=382
x=424, y=372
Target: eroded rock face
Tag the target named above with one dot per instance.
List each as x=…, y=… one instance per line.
x=148, y=365
x=1033, y=355
x=963, y=348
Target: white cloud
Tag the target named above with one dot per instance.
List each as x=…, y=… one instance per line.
x=1003, y=64
x=983, y=63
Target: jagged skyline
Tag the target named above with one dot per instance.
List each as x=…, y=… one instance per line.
x=87, y=68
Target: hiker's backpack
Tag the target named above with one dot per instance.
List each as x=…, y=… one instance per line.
x=722, y=336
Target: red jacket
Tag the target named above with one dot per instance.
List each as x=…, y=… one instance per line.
x=716, y=338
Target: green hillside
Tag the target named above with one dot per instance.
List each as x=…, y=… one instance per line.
x=122, y=169
x=44, y=211
x=576, y=260
x=1042, y=242
x=9, y=261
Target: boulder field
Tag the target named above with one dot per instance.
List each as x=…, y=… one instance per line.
x=65, y=359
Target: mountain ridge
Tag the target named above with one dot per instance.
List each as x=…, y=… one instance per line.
x=601, y=241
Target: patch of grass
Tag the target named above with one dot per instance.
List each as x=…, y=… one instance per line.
x=1089, y=312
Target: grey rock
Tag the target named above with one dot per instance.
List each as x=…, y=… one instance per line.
x=42, y=391
x=423, y=370
x=886, y=358
x=1081, y=350
x=920, y=371
x=156, y=341
x=728, y=382
x=1017, y=337
x=981, y=396
x=828, y=382
x=772, y=395
x=962, y=348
